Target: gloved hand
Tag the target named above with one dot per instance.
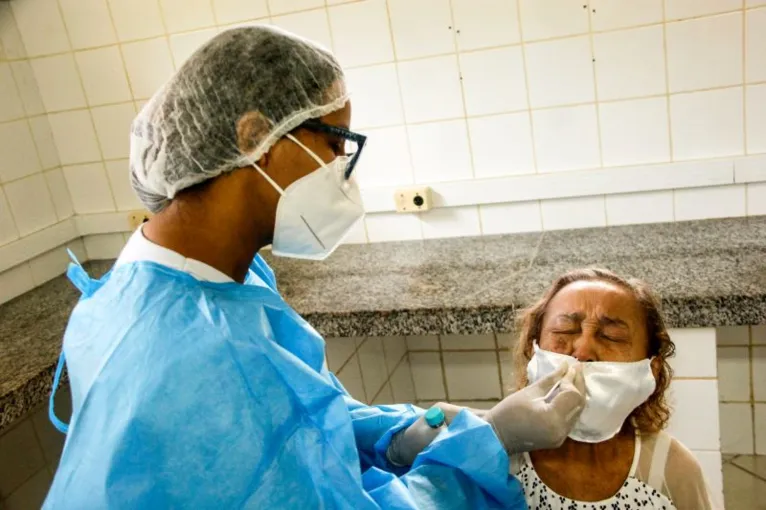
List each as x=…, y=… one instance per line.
x=408, y=443
x=541, y=415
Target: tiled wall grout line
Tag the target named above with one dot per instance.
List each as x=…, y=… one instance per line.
x=351, y=356
x=752, y=473
x=443, y=369
x=387, y=382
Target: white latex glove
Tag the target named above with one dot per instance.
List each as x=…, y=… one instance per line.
x=541, y=415
x=408, y=443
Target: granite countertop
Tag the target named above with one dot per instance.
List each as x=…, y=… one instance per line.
x=708, y=273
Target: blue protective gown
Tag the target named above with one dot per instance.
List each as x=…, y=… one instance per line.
x=190, y=394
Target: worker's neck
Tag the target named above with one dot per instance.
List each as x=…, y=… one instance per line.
x=216, y=226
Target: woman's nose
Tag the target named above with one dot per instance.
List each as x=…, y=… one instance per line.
x=584, y=348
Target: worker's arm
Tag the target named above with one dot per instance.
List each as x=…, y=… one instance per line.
x=466, y=466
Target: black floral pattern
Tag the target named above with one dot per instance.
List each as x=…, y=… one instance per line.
x=633, y=495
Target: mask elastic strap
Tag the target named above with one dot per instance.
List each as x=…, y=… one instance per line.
x=310, y=152
x=269, y=179
x=297, y=142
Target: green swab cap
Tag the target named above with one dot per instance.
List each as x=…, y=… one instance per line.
x=435, y=417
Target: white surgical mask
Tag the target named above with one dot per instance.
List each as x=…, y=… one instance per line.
x=316, y=212
x=613, y=391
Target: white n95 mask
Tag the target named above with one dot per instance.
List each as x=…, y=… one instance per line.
x=316, y=212
x=612, y=391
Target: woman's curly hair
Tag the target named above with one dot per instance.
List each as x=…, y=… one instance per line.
x=651, y=416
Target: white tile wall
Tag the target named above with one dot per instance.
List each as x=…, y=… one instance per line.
x=613, y=14
x=31, y=204
x=560, y=72
x=697, y=352
x=136, y=19
x=502, y=145
x=113, y=129
x=27, y=89
x=707, y=124
x=10, y=102
x=41, y=26
x=635, y=132
x=505, y=91
x=89, y=188
x=232, y=11
x=103, y=76
x=148, y=64
x=119, y=180
x=75, y=137
x=387, y=160
x=103, y=246
x=385, y=227
x=694, y=402
x=59, y=82
x=756, y=198
x=43, y=137
x=734, y=372
x=759, y=374
x=713, y=202
x=760, y=429
x=755, y=113
x=568, y=213
x=351, y=378
x=312, y=25
x=547, y=19
x=705, y=53
x=431, y=89
x=472, y=375
x=17, y=147
x=15, y=282
x=422, y=28
x=8, y=230
x=755, y=45
x=361, y=21
x=566, y=138
x=62, y=200
x=451, y=222
x=737, y=428
x=440, y=151
x=741, y=368
x=485, y=23
x=630, y=63
x=376, y=97
x=427, y=375
x=637, y=208
x=680, y=9
x=88, y=23
x=511, y=218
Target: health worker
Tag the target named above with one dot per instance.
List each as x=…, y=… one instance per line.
x=194, y=384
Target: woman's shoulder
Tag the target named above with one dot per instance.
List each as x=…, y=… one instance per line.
x=670, y=467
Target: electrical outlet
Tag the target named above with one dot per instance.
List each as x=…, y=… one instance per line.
x=410, y=200
x=137, y=218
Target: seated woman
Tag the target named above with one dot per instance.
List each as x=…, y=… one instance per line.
x=617, y=456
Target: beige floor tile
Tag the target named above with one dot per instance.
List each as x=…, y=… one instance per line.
x=743, y=491
x=754, y=463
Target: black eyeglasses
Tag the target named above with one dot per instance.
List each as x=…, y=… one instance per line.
x=354, y=141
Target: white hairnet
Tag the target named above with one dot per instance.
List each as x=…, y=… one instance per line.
x=227, y=106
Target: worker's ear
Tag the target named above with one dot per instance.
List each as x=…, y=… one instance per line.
x=252, y=129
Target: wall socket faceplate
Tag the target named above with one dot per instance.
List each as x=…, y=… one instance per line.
x=411, y=200
x=137, y=218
